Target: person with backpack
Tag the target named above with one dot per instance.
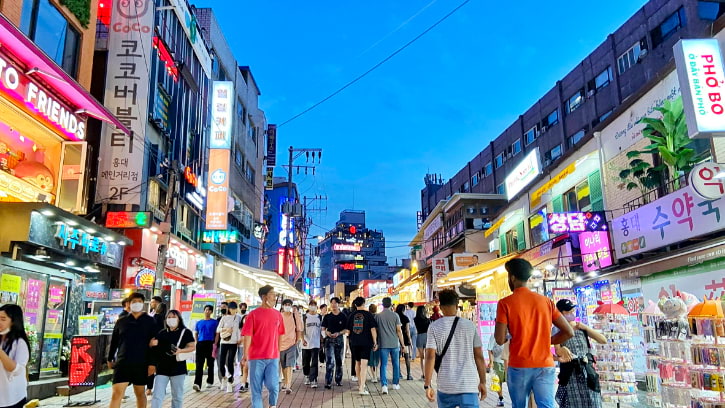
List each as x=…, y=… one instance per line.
x=455, y=351
x=311, y=344
x=229, y=334
x=578, y=380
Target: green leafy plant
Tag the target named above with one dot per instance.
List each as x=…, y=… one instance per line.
x=670, y=143
x=80, y=8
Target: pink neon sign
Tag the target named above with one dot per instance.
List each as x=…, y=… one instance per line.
x=595, y=250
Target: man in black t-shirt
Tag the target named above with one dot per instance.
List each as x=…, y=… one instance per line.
x=129, y=352
x=363, y=334
x=334, y=325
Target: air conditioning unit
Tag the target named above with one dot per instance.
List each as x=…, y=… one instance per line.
x=544, y=128
x=591, y=93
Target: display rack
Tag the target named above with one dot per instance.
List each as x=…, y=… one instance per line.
x=651, y=317
x=615, y=359
x=690, y=361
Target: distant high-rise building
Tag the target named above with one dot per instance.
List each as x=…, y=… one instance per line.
x=351, y=252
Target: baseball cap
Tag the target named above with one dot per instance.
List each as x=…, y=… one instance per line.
x=565, y=305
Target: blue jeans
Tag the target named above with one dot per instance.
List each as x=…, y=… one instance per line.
x=177, y=390
x=523, y=381
x=413, y=340
x=264, y=372
x=468, y=400
x=394, y=354
x=333, y=352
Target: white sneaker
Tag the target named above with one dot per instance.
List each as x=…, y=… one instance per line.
x=384, y=389
x=354, y=379
x=307, y=381
x=223, y=385
x=396, y=386
x=364, y=392
x=230, y=387
x=197, y=388
x=375, y=380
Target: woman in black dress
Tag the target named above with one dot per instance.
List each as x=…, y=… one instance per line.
x=421, y=322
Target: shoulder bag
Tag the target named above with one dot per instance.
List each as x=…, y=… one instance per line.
x=439, y=357
x=183, y=356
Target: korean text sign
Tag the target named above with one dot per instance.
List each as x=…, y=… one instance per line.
x=127, y=87
x=560, y=223
x=673, y=218
x=222, y=103
x=595, y=250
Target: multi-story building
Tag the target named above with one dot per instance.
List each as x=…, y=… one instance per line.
x=158, y=81
x=246, y=153
x=545, y=146
x=285, y=233
x=54, y=259
x=351, y=252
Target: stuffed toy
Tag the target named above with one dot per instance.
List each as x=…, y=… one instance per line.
x=36, y=174
x=675, y=325
x=689, y=299
x=495, y=383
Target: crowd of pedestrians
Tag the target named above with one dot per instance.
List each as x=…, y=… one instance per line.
x=149, y=350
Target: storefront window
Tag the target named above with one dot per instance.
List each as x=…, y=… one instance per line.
x=28, y=290
x=43, y=23
x=29, y=165
x=577, y=199
x=72, y=183
x=53, y=331
x=539, y=228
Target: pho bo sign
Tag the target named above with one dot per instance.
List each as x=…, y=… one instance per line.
x=702, y=80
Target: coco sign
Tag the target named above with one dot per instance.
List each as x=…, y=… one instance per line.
x=708, y=180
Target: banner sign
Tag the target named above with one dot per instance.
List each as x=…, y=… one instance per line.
x=83, y=364
x=560, y=223
x=127, y=86
x=700, y=71
x=271, y=145
x=218, y=194
x=706, y=180
x=674, y=218
x=222, y=103
x=523, y=174
x=595, y=250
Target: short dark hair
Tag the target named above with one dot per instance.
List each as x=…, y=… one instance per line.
x=210, y=307
x=324, y=305
x=158, y=299
x=287, y=302
x=264, y=290
x=411, y=305
x=358, y=302
x=387, y=302
x=520, y=269
x=335, y=299
x=313, y=303
x=125, y=301
x=243, y=304
x=232, y=305
x=136, y=295
x=225, y=304
x=448, y=297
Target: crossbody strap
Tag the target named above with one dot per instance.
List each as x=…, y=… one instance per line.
x=450, y=337
x=181, y=336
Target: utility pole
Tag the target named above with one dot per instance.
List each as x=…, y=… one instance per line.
x=289, y=208
x=165, y=227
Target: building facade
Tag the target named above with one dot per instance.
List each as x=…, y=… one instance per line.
x=351, y=252
x=247, y=149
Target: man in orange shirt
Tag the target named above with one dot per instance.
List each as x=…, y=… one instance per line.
x=527, y=317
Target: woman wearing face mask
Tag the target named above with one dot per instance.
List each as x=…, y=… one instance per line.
x=578, y=381
x=14, y=356
x=175, y=339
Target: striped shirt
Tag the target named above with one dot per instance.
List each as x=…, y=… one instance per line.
x=458, y=373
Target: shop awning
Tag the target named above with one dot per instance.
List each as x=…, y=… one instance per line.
x=267, y=278
x=475, y=272
x=40, y=64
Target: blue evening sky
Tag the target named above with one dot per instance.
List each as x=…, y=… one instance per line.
x=431, y=108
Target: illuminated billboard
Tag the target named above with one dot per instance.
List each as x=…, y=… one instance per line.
x=218, y=190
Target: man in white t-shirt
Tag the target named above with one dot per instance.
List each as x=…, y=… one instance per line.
x=311, y=345
x=462, y=374
x=228, y=330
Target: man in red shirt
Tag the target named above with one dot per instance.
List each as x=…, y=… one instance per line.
x=528, y=317
x=262, y=332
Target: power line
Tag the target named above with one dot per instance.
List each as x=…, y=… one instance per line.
x=376, y=66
